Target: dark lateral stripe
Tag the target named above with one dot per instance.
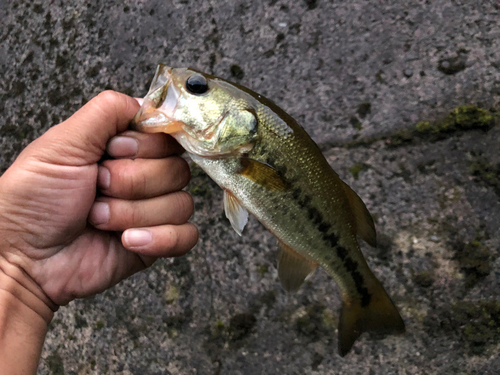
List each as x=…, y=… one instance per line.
x=350, y=265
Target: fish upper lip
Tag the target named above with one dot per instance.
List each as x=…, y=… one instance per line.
x=160, y=103
x=162, y=71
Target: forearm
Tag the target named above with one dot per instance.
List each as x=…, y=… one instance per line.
x=23, y=325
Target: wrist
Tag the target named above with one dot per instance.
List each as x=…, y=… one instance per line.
x=24, y=319
x=25, y=312
x=13, y=293
x=16, y=285
x=23, y=326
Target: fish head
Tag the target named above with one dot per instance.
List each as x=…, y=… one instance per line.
x=208, y=116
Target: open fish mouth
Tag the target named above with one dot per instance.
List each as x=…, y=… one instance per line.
x=158, y=106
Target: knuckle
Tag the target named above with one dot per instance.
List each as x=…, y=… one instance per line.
x=173, y=239
x=168, y=144
x=179, y=171
x=195, y=236
x=185, y=172
x=106, y=103
x=135, y=215
x=185, y=203
x=133, y=182
x=106, y=98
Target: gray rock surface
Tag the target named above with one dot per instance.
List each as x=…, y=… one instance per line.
x=355, y=74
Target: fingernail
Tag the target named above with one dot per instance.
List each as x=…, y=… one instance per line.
x=103, y=178
x=137, y=237
x=120, y=147
x=99, y=213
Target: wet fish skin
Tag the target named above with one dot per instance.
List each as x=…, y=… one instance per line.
x=267, y=164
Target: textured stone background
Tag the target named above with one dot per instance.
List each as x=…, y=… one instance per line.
x=355, y=74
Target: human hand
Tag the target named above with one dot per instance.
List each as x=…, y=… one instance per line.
x=61, y=242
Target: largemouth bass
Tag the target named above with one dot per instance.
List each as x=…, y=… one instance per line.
x=269, y=166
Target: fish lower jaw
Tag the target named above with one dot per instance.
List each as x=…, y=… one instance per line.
x=194, y=147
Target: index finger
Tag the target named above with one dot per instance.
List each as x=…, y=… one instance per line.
x=82, y=139
x=132, y=144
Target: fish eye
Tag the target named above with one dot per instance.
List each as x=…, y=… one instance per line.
x=197, y=84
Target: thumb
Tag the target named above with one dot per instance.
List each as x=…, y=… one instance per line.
x=81, y=139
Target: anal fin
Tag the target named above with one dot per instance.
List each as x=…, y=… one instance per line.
x=293, y=268
x=235, y=212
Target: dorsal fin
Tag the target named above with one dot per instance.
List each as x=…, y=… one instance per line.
x=365, y=228
x=293, y=268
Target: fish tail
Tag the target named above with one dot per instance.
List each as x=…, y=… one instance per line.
x=379, y=315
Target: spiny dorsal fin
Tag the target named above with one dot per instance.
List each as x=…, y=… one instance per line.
x=365, y=228
x=293, y=268
x=237, y=215
x=262, y=174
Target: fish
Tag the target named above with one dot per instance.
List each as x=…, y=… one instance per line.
x=268, y=165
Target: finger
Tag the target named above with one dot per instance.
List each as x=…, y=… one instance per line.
x=142, y=178
x=131, y=144
x=161, y=241
x=82, y=139
x=147, y=260
x=119, y=214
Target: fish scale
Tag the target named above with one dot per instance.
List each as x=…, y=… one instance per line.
x=269, y=166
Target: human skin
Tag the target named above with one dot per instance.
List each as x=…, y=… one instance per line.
x=72, y=225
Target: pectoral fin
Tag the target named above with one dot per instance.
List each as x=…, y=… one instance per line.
x=365, y=228
x=293, y=268
x=262, y=174
x=237, y=215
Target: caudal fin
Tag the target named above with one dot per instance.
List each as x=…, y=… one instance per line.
x=380, y=316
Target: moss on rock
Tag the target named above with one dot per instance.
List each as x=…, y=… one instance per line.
x=175, y=323
x=222, y=337
x=55, y=363
x=315, y=322
x=263, y=269
x=19, y=131
x=356, y=169
x=356, y=124
x=401, y=137
x=423, y=126
x=267, y=299
x=487, y=172
x=476, y=324
x=474, y=261
x=424, y=279
x=364, y=109
x=479, y=323
x=462, y=118
x=469, y=117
